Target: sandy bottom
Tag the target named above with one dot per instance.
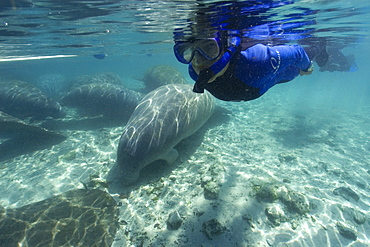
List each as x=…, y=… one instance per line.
x=261, y=173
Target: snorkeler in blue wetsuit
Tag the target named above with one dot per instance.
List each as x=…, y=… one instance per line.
x=237, y=54
x=220, y=66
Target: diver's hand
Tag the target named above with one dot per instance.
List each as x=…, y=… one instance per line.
x=307, y=71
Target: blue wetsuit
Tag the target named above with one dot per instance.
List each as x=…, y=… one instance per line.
x=253, y=71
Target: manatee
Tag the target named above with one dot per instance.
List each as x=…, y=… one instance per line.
x=114, y=101
x=74, y=218
x=163, y=118
x=106, y=77
x=21, y=137
x=21, y=99
x=53, y=85
x=161, y=75
x=10, y=126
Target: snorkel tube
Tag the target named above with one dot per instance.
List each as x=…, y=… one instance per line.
x=233, y=44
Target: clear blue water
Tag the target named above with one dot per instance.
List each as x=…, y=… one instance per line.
x=130, y=31
x=137, y=35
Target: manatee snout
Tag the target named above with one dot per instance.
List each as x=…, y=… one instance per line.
x=129, y=168
x=119, y=173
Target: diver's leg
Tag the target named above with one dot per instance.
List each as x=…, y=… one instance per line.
x=317, y=52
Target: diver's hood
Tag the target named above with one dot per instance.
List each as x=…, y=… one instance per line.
x=206, y=74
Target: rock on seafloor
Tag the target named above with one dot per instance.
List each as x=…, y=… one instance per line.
x=346, y=232
x=174, y=220
x=346, y=193
x=212, y=228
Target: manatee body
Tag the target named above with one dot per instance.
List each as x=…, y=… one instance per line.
x=21, y=99
x=105, y=77
x=163, y=118
x=53, y=85
x=115, y=101
x=21, y=138
x=161, y=75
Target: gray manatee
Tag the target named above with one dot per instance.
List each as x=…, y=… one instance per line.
x=21, y=99
x=161, y=75
x=163, y=118
x=114, y=101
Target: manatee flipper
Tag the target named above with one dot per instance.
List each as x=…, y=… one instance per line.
x=171, y=156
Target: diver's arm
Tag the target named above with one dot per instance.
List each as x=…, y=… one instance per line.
x=293, y=55
x=262, y=66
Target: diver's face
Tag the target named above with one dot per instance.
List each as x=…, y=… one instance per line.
x=202, y=53
x=200, y=62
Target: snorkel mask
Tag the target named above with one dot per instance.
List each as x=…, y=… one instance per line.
x=211, y=49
